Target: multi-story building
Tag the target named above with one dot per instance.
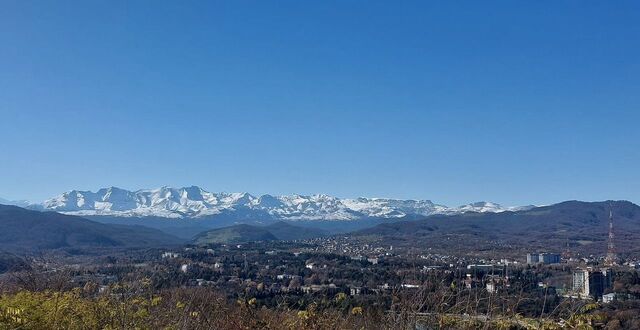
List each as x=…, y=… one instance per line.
x=549, y=258
x=543, y=258
x=592, y=283
x=580, y=280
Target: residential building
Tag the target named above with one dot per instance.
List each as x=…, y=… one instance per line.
x=543, y=258
x=589, y=282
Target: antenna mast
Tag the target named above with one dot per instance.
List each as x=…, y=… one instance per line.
x=612, y=257
x=567, y=251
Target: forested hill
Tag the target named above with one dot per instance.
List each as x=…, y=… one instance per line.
x=27, y=230
x=583, y=225
x=247, y=233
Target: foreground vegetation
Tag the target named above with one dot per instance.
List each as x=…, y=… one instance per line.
x=203, y=309
x=32, y=301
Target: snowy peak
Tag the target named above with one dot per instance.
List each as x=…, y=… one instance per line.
x=193, y=202
x=393, y=208
x=482, y=207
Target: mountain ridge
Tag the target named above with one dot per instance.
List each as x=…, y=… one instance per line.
x=583, y=225
x=27, y=230
x=195, y=202
x=20, y=203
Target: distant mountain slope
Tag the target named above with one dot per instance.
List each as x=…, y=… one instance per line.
x=288, y=232
x=195, y=202
x=581, y=224
x=234, y=234
x=23, y=229
x=21, y=203
x=247, y=233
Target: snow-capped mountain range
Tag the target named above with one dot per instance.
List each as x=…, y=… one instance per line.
x=195, y=202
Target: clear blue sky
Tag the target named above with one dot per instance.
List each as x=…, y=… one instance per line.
x=515, y=102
